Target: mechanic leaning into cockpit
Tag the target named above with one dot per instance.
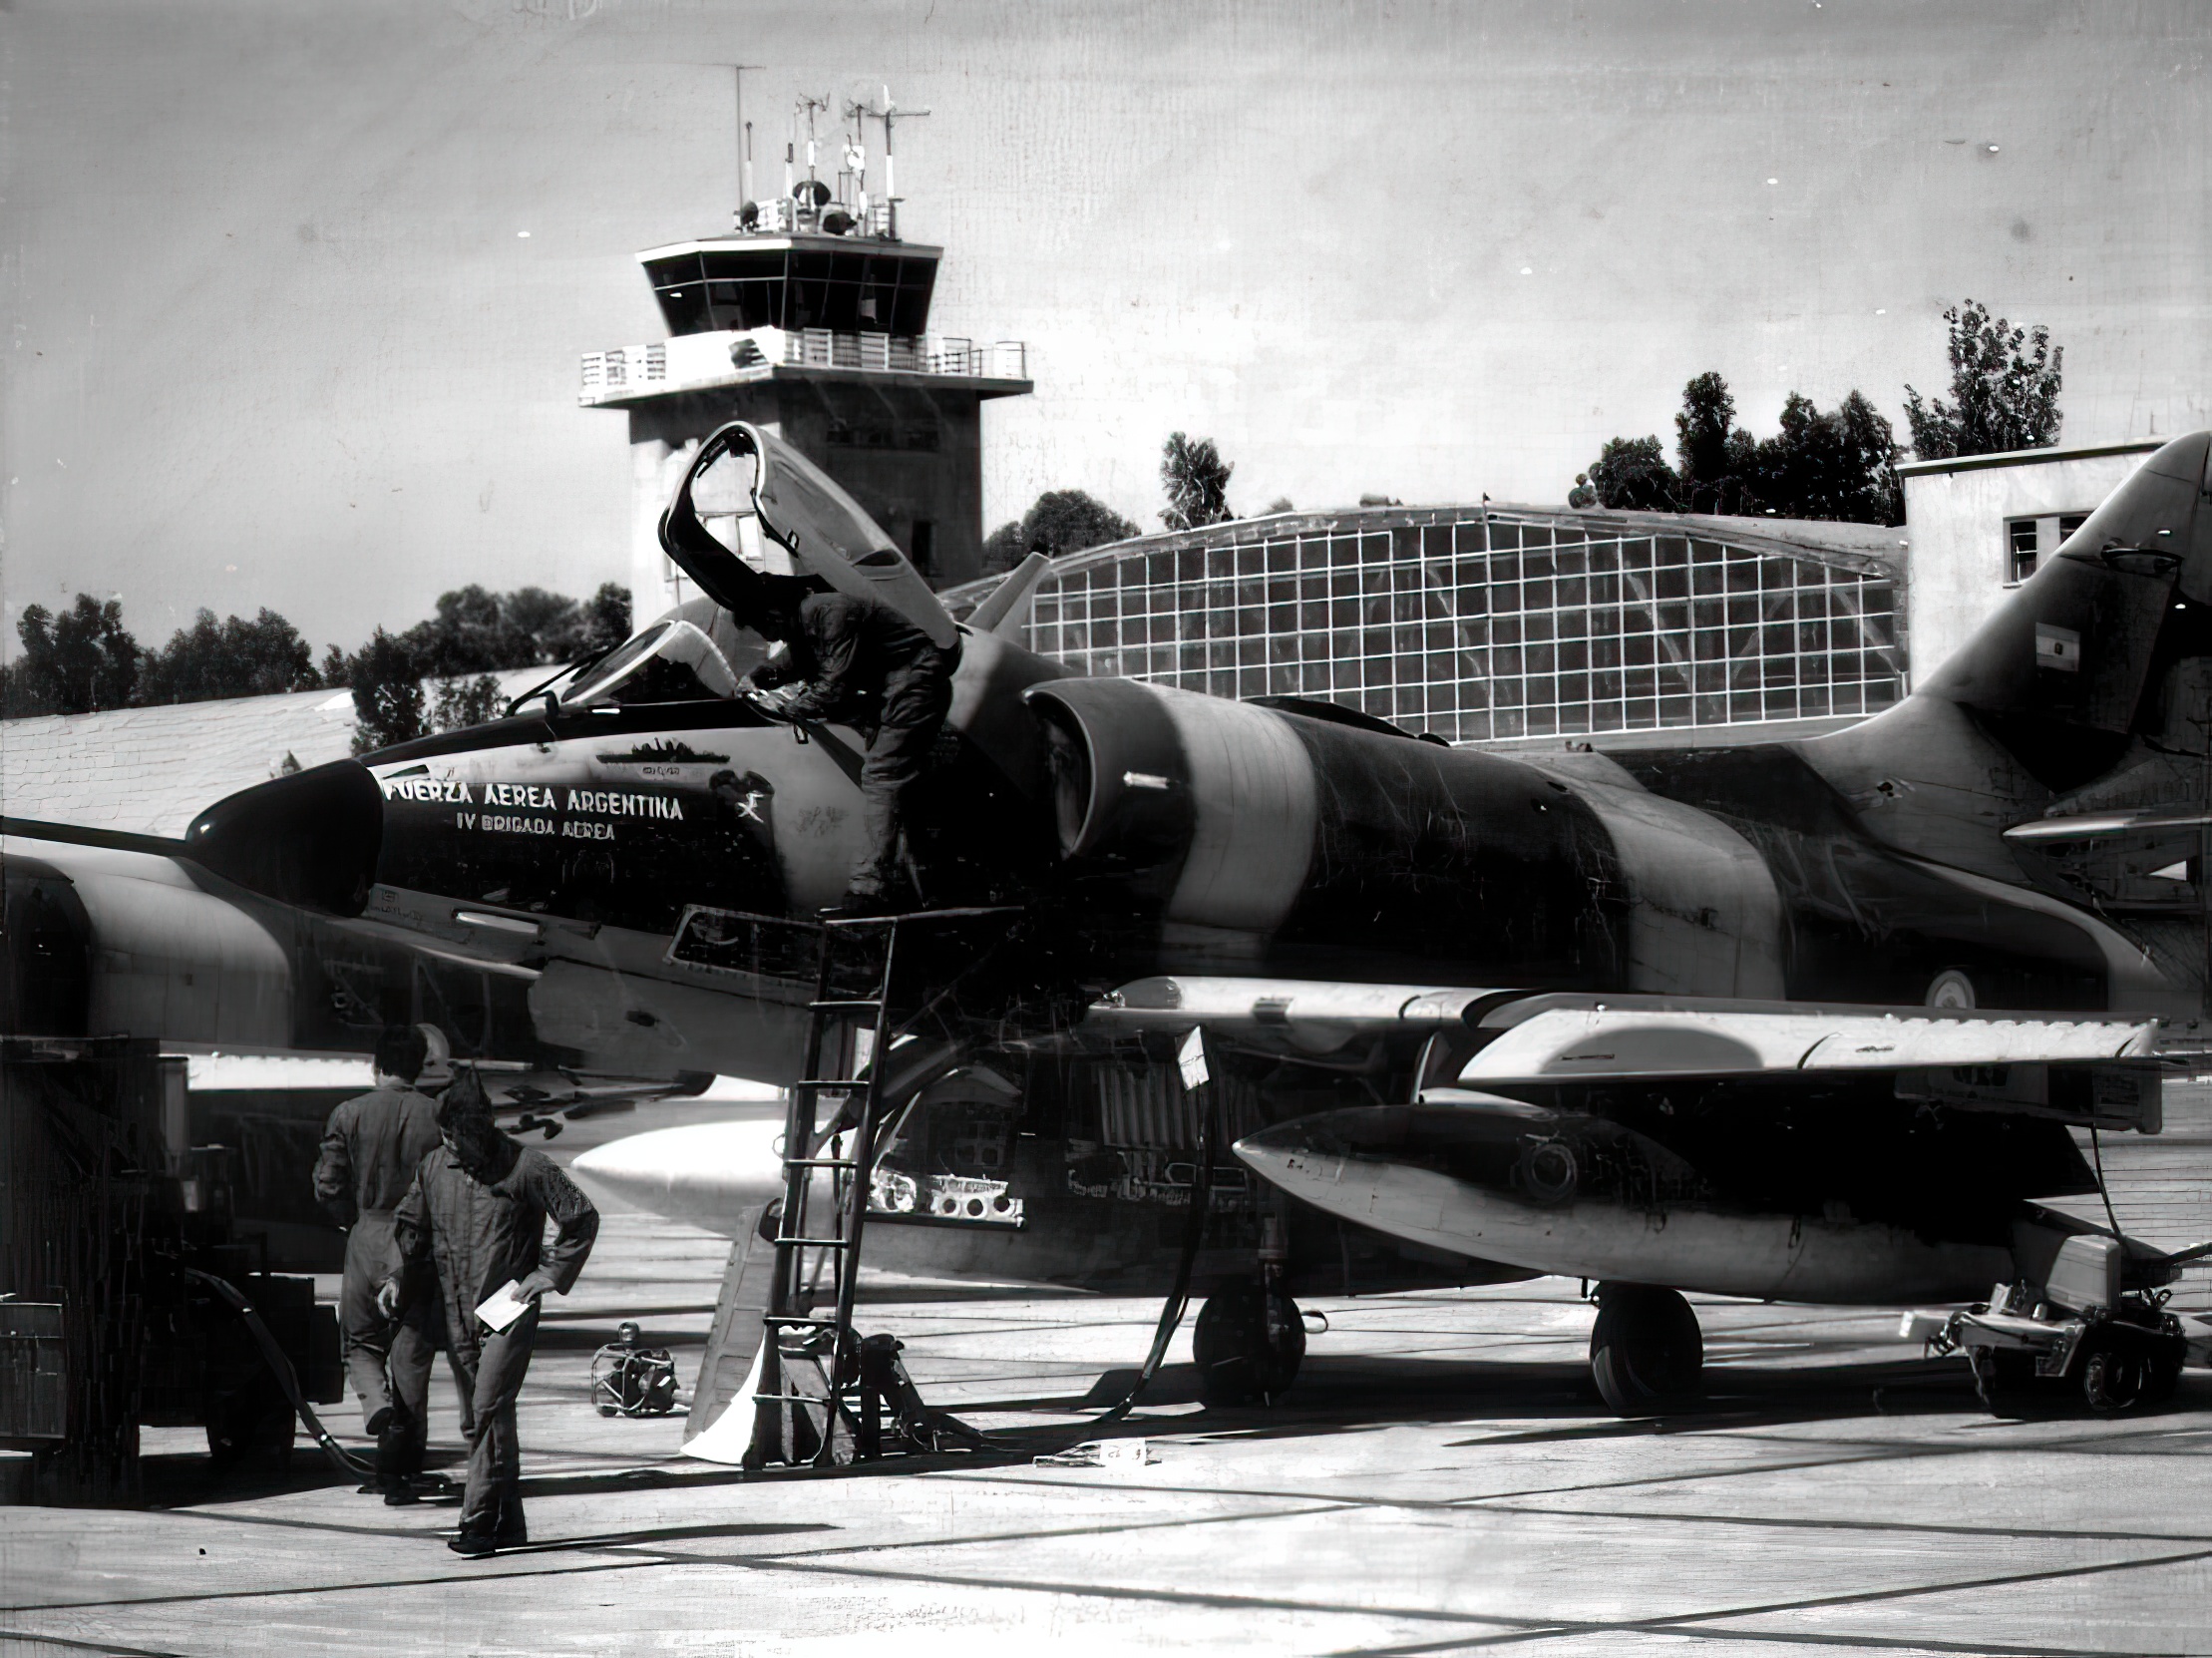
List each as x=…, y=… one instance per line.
x=478, y=1207
x=861, y=657
x=370, y=1149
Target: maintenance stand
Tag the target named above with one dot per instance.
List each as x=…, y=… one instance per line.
x=823, y=1388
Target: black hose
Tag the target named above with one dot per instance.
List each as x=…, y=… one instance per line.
x=286, y=1378
x=2103, y=1190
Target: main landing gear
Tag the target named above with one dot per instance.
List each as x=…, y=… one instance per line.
x=1249, y=1342
x=1646, y=1352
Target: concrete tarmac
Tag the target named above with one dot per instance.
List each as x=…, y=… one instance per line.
x=1442, y=1478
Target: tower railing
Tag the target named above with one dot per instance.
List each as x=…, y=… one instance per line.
x=624, y=367
x=633, y=369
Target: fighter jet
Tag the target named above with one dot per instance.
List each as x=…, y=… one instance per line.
x=1807, y=1021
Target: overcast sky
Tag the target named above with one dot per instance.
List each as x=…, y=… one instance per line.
x=276, y=335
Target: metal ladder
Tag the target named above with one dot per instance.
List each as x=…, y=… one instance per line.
x=811, y=1371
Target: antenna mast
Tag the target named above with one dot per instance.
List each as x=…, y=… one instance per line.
x=744, y=133
x=890, y=115
x=810, y=105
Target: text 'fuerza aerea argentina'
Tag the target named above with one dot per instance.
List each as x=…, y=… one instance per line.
x=543, y=797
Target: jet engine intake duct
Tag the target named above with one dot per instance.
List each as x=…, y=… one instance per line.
x=310, y=839
x=46, y=952
x=1150, y=778
x=1121, y=783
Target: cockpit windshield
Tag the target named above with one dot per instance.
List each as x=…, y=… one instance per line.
x=673, y=661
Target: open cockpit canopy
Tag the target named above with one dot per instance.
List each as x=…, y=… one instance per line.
x=752, y=513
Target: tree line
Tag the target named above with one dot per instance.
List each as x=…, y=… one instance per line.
x=1840, y=463
x=1193, y=476
x=84, y=660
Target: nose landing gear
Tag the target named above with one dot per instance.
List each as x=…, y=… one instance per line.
x=1646, y=1352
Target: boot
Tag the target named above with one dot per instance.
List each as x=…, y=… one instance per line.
x=473, y=1541
x=399, y=1459
x=390, y=1474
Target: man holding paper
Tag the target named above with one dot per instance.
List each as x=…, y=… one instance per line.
x=478, y=1207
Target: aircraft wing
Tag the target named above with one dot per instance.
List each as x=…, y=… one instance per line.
x=1556, y=1038
x=1501, y=1038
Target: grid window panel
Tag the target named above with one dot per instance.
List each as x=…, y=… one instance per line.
x=1496, y=627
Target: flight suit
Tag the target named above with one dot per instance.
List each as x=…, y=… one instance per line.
x=480, y=1233
x=370, y=1149
x=848, y=647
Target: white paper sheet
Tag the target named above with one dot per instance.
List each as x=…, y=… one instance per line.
x=502, y=1308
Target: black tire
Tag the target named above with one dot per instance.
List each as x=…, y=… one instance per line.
x=257, y=1421
x=2163, y=1380
x=2003, y=1378
x=1240, y=1359
x=1646, y=1351
x=2115, y=1373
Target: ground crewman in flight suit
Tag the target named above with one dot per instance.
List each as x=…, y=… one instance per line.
x=370, y=1150
x=478, y=1207
x=858, y=656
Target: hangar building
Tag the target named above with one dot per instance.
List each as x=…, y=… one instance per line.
x=1500, y=625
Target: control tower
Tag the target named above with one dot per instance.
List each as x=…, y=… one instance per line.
x=811, y=319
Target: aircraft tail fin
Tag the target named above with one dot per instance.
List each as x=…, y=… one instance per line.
x=1006, y=608
x=2089, y=649
x=2076, y=642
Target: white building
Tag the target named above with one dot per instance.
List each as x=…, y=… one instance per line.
x=1979, y=524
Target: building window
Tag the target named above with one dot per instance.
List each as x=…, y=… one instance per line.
x=2027, y=540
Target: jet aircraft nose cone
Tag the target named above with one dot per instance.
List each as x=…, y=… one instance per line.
x=310, y=839
x=713, y=1174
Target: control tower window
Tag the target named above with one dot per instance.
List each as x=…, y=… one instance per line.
x=742, y=305
x=681, y=293
x=745, y=290
x=848, y=292
x=858, y=293
x=910, y=311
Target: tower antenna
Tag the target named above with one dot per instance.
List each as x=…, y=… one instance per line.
x=744, y=133
x=812, y=104
x=890, y=115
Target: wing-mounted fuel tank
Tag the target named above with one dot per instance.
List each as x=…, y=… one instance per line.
x=1262, y=833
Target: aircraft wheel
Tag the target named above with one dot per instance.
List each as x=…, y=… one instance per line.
x=2116, y=1373
x=1249, y=1342
x=1645, y=1350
